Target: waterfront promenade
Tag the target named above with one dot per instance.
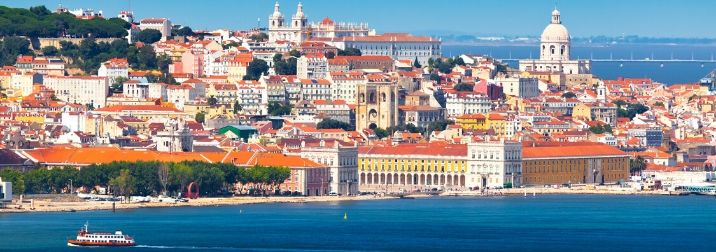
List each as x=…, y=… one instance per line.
x=64, y=205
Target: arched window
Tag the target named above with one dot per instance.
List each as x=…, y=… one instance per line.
x=383, y=97
x=371, y=97
x=551, y=49
x=561, y=51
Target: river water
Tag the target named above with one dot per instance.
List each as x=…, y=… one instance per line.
x=668, y=73
x=541, y=223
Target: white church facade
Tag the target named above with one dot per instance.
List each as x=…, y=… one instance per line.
x=299, y=30
x=555, y=48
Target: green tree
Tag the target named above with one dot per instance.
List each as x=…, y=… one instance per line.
x=15, y=177
x=212, y=100
x=118, y=85
x=597, y=129
x=464, y=87
x=439, y=125
x=435, y=77
x=416, y=64
x=148, y=36
x=381, y=133
x=183, y=31
x=350, y=52
x=237, y=107
x=200, y=117
x=11, y=47
x=329, y=123
x=569, y=95
x=330, y=55
x=637, y=165
x=256, y=69
x=294, y=53
x=279, y=109
x=125, y=183
x=260, y=37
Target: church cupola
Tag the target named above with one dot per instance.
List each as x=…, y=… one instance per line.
x=555, y=17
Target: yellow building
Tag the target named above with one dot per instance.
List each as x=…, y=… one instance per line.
x=29, y=117
x=497, y=123
x=582, y=111
x=573, y=163
x=410, y=167
x=472, y=121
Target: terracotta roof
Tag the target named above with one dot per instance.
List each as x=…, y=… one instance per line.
x=428, y=149
x=571, y=151
x=118, y=108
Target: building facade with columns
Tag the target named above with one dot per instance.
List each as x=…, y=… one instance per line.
x=412, y=167
x=555, y=49
x=393, y=168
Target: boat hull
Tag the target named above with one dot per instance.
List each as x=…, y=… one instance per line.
x=76, y=243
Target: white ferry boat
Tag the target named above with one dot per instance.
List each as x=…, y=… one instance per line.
x=85, y=238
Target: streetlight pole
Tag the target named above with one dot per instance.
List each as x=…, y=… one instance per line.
x=71, y=188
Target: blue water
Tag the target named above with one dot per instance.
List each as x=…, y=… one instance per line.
x=669, y=73
x=542, y=223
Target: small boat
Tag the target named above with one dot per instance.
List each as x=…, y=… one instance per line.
x=87, y=239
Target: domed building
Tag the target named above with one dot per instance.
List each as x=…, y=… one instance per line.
x=555, y=47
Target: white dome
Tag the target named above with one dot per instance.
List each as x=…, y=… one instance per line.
x=555, y=33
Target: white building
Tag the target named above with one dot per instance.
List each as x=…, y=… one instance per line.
x=555, y=48
x=312, y=66
x=459, y=103
x=294, y=32
x=114, y=69
x=136, y=89
x=342, y=160
x=74, y=121
x=5, y=191
x=313, y=89
x=253, y=97
x=493, y=164
x=79, y=89
x=21, y=83
x=399, y=46
x=344, y=84
x=327, y=28
x=520, y=87
x=162, y=25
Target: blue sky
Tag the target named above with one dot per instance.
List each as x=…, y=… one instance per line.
x=653, y=18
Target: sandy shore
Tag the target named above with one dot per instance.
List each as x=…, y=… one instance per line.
x=49, y=205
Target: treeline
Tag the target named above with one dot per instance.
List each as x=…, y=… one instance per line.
x=40, y=22
x=150, y=178
x=10, y=47
x=90, y=54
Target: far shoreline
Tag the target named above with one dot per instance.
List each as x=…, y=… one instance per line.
x=48, y=206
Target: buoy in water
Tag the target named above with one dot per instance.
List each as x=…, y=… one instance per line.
x=345, y=216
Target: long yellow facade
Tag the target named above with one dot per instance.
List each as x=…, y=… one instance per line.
x=428, y=164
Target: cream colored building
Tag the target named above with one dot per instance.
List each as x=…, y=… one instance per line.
x=377, y=104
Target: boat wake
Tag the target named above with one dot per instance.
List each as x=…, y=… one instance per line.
x=183, y=247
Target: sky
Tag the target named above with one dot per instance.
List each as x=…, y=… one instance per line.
x=583, y=18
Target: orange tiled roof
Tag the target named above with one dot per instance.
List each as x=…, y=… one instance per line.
x=570, y=151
